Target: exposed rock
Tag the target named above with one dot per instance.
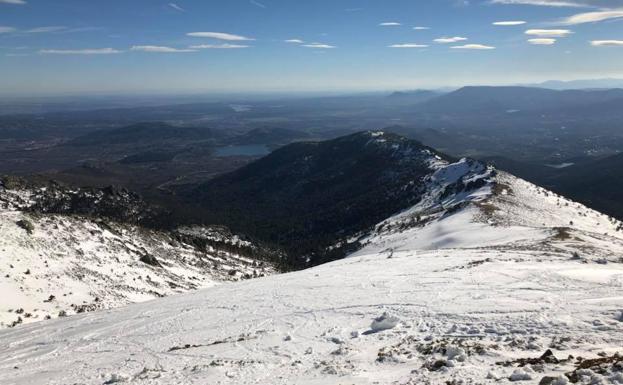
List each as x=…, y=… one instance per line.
x=150, y=260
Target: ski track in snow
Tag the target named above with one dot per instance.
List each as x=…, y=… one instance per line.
x=473, y=287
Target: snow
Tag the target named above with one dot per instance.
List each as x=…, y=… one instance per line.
x=521, y=375
x=70, y=265
x=457, y=231
x=513, y=308
x=596, y=274
x=479, y=283
x=384, y=322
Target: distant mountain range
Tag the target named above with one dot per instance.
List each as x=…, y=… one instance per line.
x=580, y=84
x=504, y=100
x=413, y=97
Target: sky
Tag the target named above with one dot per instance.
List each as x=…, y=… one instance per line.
x=50, y=47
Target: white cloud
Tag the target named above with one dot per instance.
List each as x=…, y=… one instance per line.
x=607, y=43
x=159, y=49
x=446, y=40
x=19, y=2
x=421, y=28
x=49, y=29
x=46, y=29
x=219, y=36
x=408, y=45
x=542, y=41
x=390, y=24
x=546, y=3
x=549, y=32
x=218, y=46
x=257, y=4
x=509, y=23
x=592, y=17
x=473, y=46
x=176, y=7
x=88, y=51
x=318, y=45
x=294, y=41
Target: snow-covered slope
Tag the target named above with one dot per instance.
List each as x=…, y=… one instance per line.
x=494, y=282
x=64, y=265
x=502, y=212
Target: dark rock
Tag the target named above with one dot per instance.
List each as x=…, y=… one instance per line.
x=548, y=357
x=547, y=380
x=437, y=365
x=26, y=225
x=150, y=260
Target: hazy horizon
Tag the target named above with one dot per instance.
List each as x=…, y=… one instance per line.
x=261, y=94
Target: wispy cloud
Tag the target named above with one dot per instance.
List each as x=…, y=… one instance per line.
x=218, y=46
x=176, y=7
x=160, y=49
x=18, y=2
x=319, y=45
x=408, y=45
x=592, y=17
x=294, y=41
x=220, y=36
x=509, y=23
x=544, y=3
x=447, y=40
x=257, y=4
x=549, y=32
x=59, y=29
x=542, y=41
x=88, y=51
x=420, y=28
x=473, y=46
x=46, y=29
x=607, y=43
x=390, y=24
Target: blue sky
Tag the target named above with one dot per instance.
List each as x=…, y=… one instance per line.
x=96, y=46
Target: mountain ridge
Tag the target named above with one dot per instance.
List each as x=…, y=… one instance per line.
x=311, y=193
